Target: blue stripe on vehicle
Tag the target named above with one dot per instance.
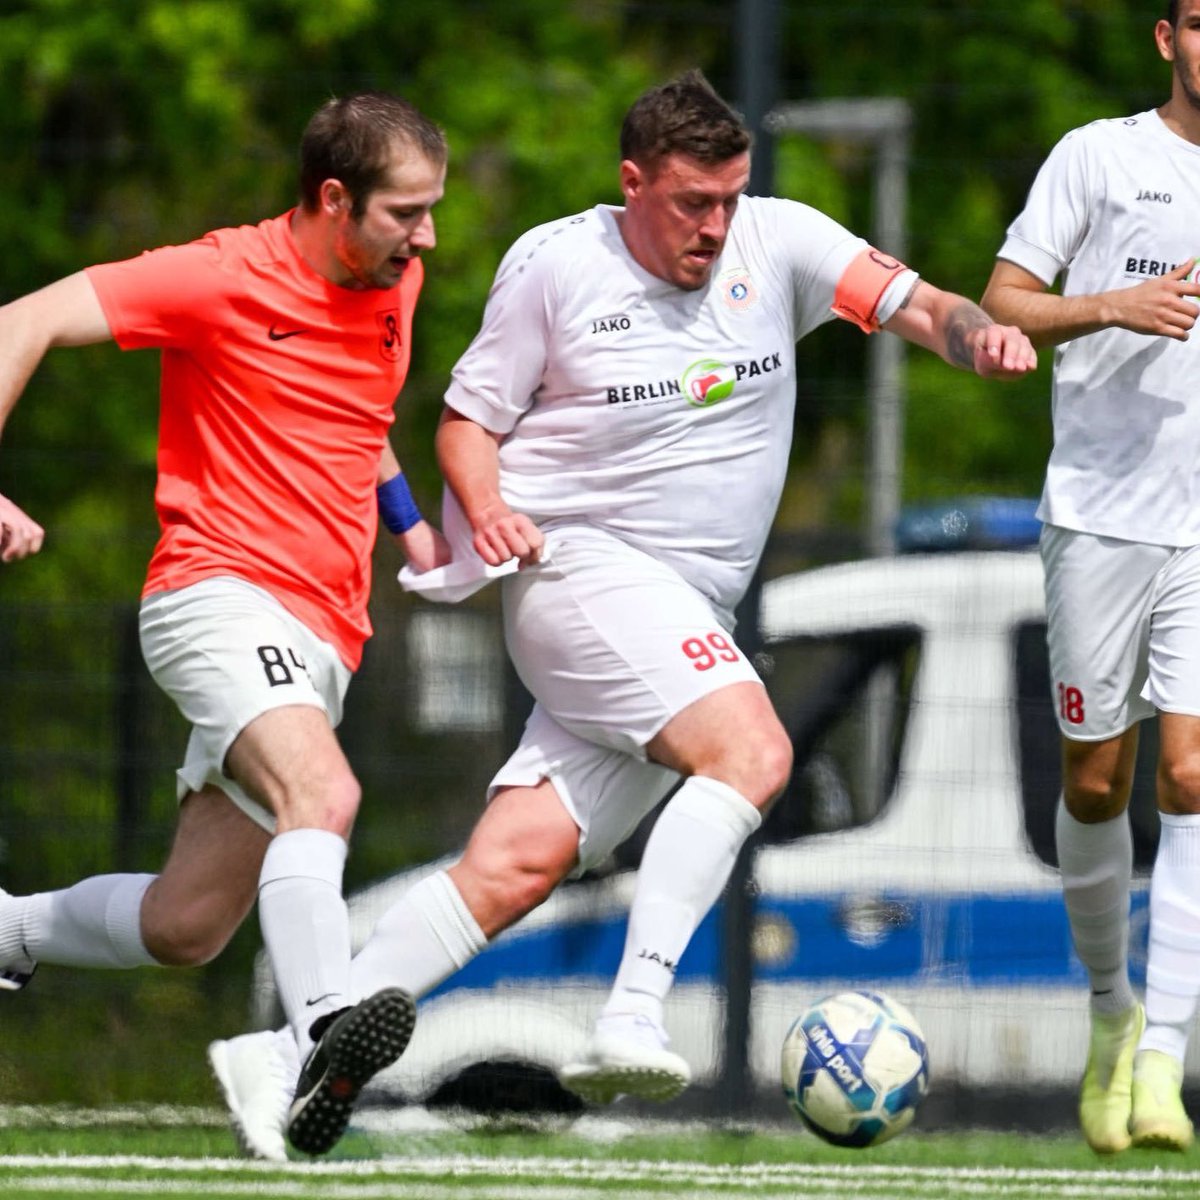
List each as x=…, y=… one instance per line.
x=977, y=941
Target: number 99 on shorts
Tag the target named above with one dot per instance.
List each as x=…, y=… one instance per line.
x=709, y=650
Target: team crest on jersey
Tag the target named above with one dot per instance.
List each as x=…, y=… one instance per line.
x=707, y=381
x=738, y=290
x=391, y=342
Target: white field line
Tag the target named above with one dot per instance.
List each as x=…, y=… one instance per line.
x=315, y=1189
x=86, y=1185
x=439, y=1170
x=68, y=1116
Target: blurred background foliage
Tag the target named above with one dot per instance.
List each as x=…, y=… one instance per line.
x=131, y=124
x=134, y=123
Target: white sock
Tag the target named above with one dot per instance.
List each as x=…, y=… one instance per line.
x=306, y=926
x=1173, y=961
x=687, y=861
x=1096, y=863
x=95, y=923
x=427, y=935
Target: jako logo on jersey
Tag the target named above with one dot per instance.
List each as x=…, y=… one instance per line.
x=614, y=324
x=1155, y=197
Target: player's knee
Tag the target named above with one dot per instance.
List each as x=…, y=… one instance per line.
x=530, y=887
x=757, y=764
x=186, y=940
x=530, y=874
x=345, y=795
x=763, y=767
x=776, y=765
x=511, y=886
x=1179, y=784
x=1094, y=798
x=330, y=805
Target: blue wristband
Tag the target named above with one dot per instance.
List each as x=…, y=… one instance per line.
x=397, y=508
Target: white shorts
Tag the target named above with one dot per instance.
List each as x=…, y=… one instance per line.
x=607, y=792
x=226, y=652
x=1123, y=631
x=613, y=643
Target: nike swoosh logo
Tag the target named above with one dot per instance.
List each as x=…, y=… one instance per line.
x=277, y=336
x=310, y=1003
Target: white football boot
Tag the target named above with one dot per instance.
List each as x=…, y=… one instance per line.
x=257, y=1073
x=628, y=1056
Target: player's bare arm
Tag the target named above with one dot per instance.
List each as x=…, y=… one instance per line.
x=963, y=334
x=66, y=313
x=422, y=545
x=469, y=458
x=1165, y=306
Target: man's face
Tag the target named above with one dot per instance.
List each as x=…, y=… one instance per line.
x=395, y=226
x=677, y=214
x=1181, y=47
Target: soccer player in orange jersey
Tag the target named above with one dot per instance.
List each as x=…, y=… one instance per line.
x=284, y=346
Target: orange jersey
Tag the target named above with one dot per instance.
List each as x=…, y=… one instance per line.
x=277, y=394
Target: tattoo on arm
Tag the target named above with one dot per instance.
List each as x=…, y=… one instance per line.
x=963, y=321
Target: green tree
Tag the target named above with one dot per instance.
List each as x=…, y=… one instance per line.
x=992, y=88
x=134, y=123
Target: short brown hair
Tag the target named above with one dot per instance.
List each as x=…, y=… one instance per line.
x=684, y=116
x=351, y=139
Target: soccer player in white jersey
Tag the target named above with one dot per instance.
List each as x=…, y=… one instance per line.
x=1113, y=210
x=620, y=425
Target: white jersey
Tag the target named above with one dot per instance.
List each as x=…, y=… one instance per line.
x=1114, y=204
x=659, y=415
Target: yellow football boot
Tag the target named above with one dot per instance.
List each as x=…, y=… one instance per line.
x=1159, y=1121
x=1105, y=1098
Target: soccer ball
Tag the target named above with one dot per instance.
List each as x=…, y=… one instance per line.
x=855, y=1068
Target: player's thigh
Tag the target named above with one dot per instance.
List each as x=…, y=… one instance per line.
x=227, y=652
x=1100, y=594
x=613, y=644
x=209, y=882
x=604, y=792
x=289, y=761
x=1173, y=680
x=1173, y=683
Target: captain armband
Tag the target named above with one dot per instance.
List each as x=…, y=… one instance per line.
x=397, y=508
x=862, y=286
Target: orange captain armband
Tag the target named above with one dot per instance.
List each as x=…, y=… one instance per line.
x=862, y=285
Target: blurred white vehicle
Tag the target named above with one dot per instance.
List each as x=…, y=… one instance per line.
x=913, y=851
